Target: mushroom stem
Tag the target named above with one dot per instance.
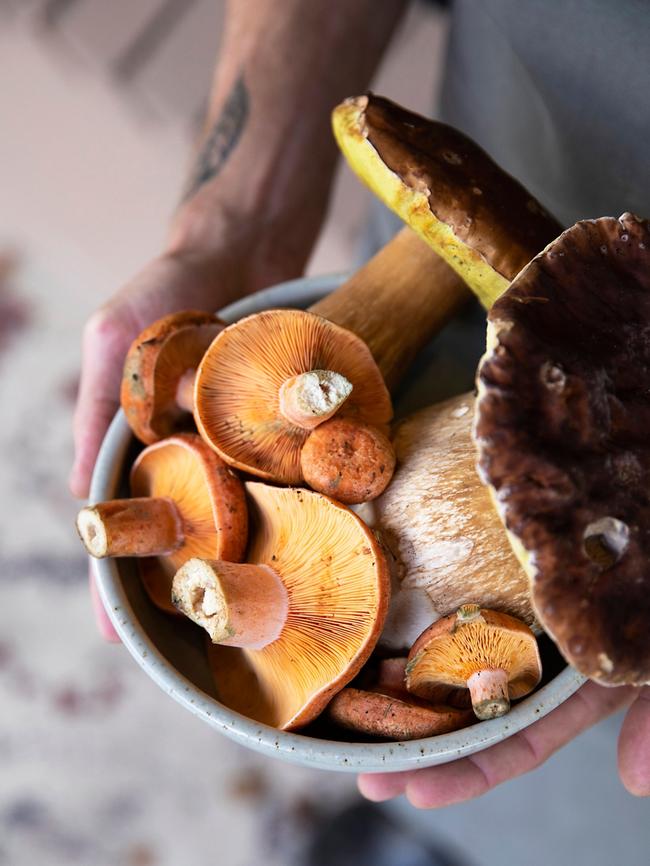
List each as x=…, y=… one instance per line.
x=310, y=398
x=489, y=692
x=185, y=390
x=239, y=605
x=396, y=302
x=131, y=527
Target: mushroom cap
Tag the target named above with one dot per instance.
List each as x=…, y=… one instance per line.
x=450, y=651
x=210, y=500
x=447, y=189
x=337, y=582
x=349, y=460
x=394, y=718
x=239, y=379
x=155, y=362
x=562, y=429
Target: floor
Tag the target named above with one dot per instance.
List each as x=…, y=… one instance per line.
x=98, y=765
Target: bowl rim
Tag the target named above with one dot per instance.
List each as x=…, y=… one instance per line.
x=293, y=747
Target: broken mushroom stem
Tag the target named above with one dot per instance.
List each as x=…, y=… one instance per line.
x=131, y=527
x=489, y=693
x=240, y=605
x=309, y=399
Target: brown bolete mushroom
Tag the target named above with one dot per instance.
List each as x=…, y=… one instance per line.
x=387, y=710
x=562, y=425
x=157, y=392
x=186, y=502
x=492, y=654
x=437, y=519
x=297, y=621
x=447, y=189
x=269, y=379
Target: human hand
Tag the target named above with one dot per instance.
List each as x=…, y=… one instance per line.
x=471, y=777
x=173, y=281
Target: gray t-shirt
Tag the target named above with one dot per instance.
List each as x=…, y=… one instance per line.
x=558, y=93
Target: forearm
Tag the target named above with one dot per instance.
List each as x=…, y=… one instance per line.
x=266, y=156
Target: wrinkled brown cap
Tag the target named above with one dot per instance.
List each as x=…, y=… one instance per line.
x=563, y=431
x=487, y=210
x=154, y=365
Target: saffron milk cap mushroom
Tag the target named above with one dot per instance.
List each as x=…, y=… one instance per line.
x=480, y=220
x=438, y=520
x=158, y=379
x=297, y=621
x=186, y=502
x=387, y=710
x=492, y=654
x=268, y=380
x=563, y=417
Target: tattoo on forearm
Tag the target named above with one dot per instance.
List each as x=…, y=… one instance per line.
x=221, y=141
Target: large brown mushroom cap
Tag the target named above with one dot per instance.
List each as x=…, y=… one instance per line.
x=337, y=585
x=562, y=427
x=155, y=363
x=475, y=215
x=209, y=498
x=239, y=380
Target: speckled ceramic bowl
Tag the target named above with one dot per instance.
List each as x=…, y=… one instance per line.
x=171, y=651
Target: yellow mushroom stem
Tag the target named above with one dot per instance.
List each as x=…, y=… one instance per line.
x=239, y=605
x=131, y=527
x=308, y=399
x=489, y=692
x=185, y=390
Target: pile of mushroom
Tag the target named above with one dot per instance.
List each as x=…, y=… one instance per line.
x=551, y=532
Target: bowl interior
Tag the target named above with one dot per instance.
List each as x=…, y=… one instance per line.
x=172, y=650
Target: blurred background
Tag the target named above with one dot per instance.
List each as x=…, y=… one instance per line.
x=100, y=103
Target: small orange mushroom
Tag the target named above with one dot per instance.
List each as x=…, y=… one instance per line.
x=186, y=503
x=351, y=461
x=394, y=718
x=157, y=392
x=492, y=654
x=268, y=380
x=297, y=622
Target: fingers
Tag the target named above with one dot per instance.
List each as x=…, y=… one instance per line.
x=104, y=624
x=634, y=746
x=105, y=342
x=471, y=777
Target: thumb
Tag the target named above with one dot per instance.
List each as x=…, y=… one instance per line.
x=105, y=344
x=634, y=746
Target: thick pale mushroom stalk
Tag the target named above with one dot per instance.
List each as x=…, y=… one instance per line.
x=438, y=521
x=239, y=605
x=131, y=527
